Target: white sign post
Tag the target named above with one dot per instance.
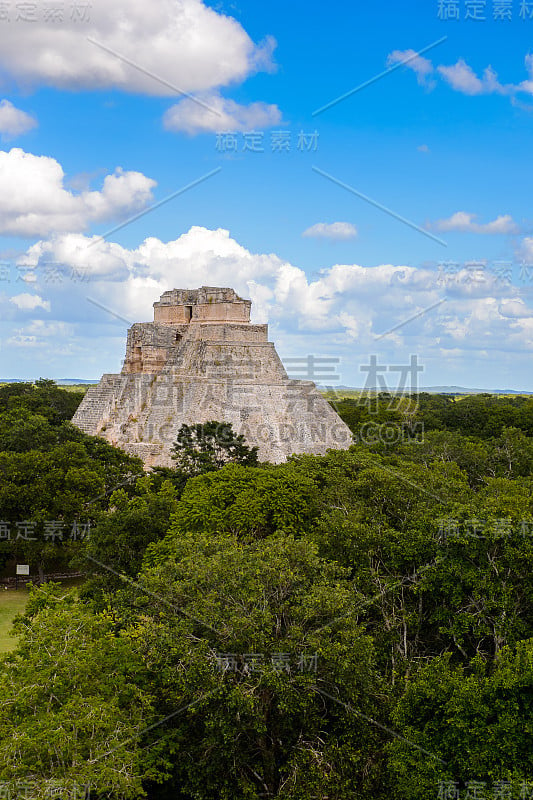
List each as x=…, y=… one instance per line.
x=22, y=569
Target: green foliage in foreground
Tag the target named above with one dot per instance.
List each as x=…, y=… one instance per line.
x=74, y=700
x=54, y=480
x=475, y=723
x=355, y=626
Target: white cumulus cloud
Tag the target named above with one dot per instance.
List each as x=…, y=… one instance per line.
x=35, y=202
x=29, y=302
x=525, y=250
x=123, y=279
x=514, y=307
x=465, y=222
x=219, y=114
x=462, y=78
x=339, y=312
x=183, y=43
x=422, y=67
x=13, y=121
x=331, y=230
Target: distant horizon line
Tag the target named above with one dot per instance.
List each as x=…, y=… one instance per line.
x=443, y=389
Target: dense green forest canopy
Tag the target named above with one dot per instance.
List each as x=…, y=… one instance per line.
x=479, y=415
x=349, y=626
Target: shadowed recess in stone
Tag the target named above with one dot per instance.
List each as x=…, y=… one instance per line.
x=200, y=360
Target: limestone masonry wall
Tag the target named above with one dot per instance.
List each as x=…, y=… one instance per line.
x=207, y=304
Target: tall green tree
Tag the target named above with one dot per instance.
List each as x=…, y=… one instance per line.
x=207, y=446
x=466, y=730
x=72, y=705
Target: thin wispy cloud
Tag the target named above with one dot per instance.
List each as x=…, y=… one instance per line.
x=467, y=223
x=421, y=66
x=461, y=77
x=337, y=231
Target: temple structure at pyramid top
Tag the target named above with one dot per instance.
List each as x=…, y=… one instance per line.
x=208, y=304
x=202, y=359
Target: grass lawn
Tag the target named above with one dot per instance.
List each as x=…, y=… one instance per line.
x=11, y=603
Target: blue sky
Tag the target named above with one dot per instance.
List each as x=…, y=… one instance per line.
x=440, y=144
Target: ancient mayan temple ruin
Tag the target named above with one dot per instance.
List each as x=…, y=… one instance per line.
x=201, y=359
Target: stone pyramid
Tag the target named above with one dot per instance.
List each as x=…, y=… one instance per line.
x=201, y=359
